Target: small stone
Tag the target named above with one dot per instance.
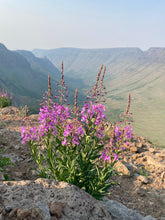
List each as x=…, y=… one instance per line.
x=151, y=150
x=36, y=214
x=34, y=172
x=152, y=161
x=149, y=217
x=134, y=156
x=21, y=214
x=56, y=209
x=121, y=168
x=8, y=209
x=13, y=212
x=17, y=147
x=140, y=145
x=143, y=179
x=134, y=149
x=162, y=176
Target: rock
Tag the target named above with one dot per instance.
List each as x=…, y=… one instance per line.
x=56, y=209
x=149, y=217
x=152, y=150
x=17, y=147
x=8, y=209
x=120, y=212
x=163, y=176
x=124, y=168
x=33, y=199
x=34, y=172
x=140, y=145
x=152, y=161
x=10, y=110
x=134, y=149
x=135, y=156
x=160, y=155
x=21, y=214
x=143, y=179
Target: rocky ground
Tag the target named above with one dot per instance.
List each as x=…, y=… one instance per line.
x=142, y=183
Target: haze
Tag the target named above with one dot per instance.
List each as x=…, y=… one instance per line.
x=29, y=24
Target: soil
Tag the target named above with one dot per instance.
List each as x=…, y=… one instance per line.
x=142, y=167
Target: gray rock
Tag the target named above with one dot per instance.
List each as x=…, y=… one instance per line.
x=37, y=199
x=47, y=199
x=149, y=217
x=120, y=212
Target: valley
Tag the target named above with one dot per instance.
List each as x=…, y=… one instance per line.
x=129, y=70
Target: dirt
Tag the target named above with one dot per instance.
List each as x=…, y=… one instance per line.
x=142, y=168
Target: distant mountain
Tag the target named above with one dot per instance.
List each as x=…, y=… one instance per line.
x=25, y=76
x=47, y=68
x=142, y=73
x=40, y=64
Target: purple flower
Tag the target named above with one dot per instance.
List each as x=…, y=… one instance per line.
x=105, y=157
x=116, y=157
x=64, y=142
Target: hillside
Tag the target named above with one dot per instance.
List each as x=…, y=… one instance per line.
x=142, y=73
x=25, y=76
x=26, y=82
x=44, y=66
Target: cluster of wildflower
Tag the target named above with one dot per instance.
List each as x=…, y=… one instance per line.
x=4, y=100
x=74, y=140
x=50, y=117
x=75, y=132
x=119, y=138
x=117, y=143
x=30, y=134
x=94, y=114
x=4, y=94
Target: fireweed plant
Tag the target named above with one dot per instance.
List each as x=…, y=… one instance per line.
x=4, y=100
x=69, y=145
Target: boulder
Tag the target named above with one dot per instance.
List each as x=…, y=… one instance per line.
x=48, y=199
x=45, y=199
x=120, y=212
x=10, y=110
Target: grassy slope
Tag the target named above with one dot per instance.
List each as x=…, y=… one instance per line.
x=128, y=70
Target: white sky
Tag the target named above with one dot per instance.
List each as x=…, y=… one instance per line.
x=47, y=24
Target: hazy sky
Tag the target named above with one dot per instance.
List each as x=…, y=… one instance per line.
x=46, y=24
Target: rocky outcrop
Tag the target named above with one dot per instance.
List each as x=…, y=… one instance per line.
x=48, y=199
x=45, y=199
x=142, y=182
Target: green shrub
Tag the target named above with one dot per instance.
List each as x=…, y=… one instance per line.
x=4, y=100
